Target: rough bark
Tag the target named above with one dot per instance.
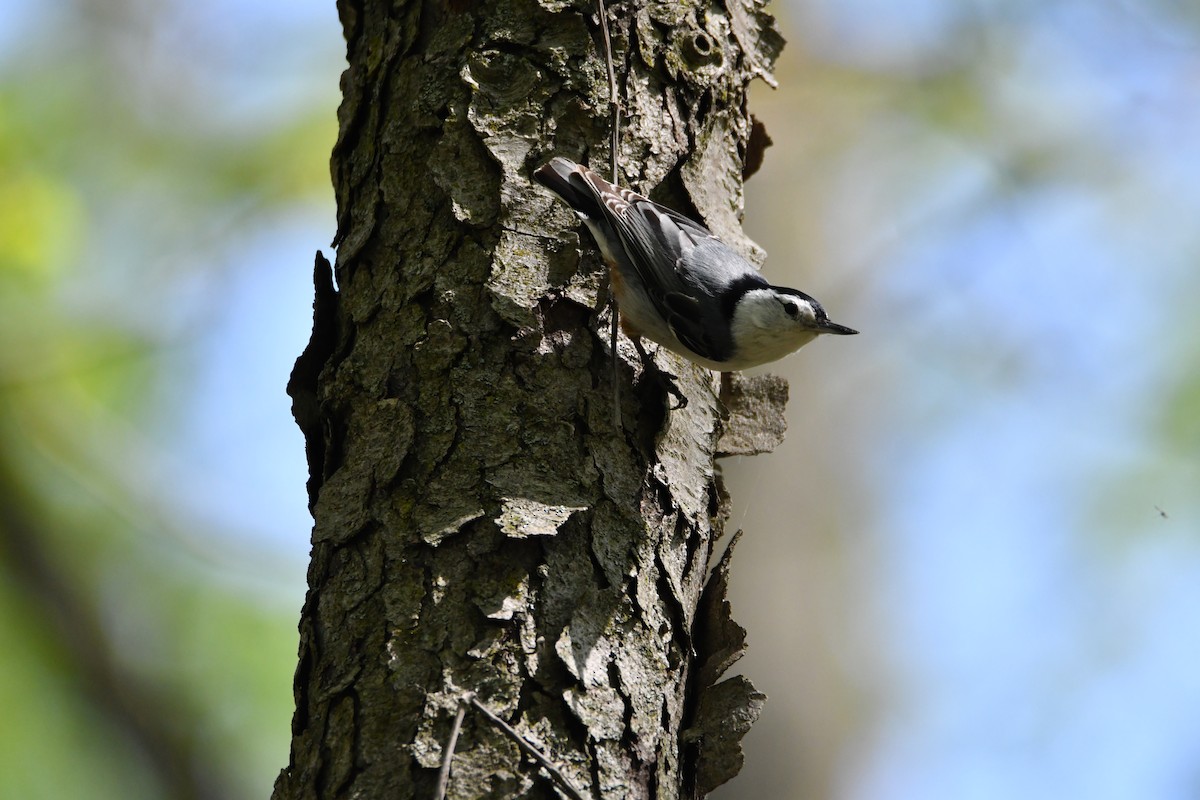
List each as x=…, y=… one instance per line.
x=480, y=523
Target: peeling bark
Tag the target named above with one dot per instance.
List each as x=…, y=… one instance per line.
x=480, y=525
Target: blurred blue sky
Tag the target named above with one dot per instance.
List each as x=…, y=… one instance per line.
x=1025, y=283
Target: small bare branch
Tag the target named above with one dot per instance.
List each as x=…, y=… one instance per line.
x=530, y=748
x=448, y=754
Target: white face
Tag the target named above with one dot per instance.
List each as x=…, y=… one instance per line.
x=798, y=310
x=768, y=325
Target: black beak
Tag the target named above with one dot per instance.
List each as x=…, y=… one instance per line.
x=833, y=327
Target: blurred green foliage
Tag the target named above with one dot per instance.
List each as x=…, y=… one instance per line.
x=146, y=654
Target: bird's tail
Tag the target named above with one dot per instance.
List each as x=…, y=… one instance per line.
x=566, y=179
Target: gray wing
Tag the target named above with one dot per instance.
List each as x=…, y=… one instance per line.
x=686, y=271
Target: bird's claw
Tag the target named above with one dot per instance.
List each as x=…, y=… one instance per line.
x=673, y=389
x=668, y=379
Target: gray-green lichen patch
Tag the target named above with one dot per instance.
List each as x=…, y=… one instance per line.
x=437, y=522
x=712, y=177
x=602, y=709
x=462, y=169
x=520, y=278
x=687, y=442
x=757, y=35
x=556, y=6
x=521, y=517
x=583, y=645
x=755, y=422
x=501, y=594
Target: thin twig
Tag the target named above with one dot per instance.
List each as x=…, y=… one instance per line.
x=530, y=748
x=448, y=753
x=616, y=362
x=613, y=156
x=614, y=105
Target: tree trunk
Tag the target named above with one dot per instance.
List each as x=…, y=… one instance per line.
x=482, y=526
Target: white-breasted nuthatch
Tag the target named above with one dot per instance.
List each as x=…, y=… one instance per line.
x=680, y=286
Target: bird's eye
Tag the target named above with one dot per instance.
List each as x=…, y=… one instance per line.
x=791, y=308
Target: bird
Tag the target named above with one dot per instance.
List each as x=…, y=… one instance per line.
x=677, y=284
